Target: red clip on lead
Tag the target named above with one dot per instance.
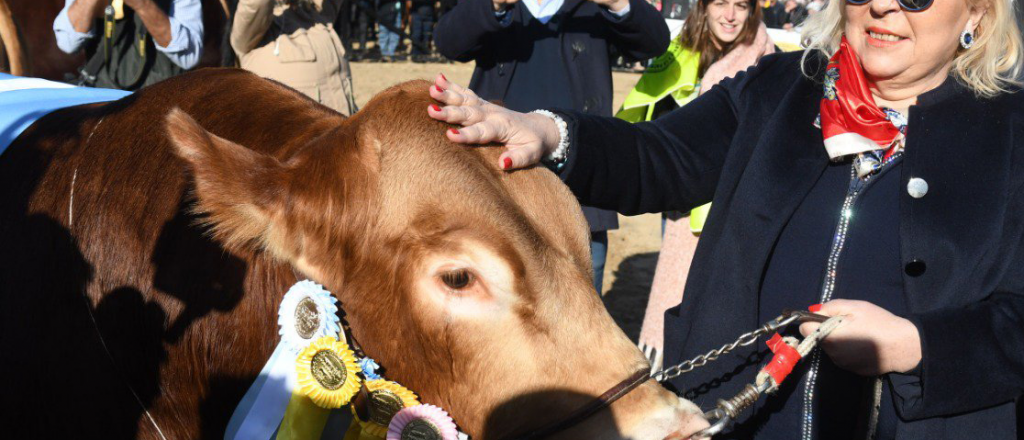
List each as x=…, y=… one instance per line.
x=782, y=363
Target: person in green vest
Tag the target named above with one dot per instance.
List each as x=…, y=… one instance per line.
x=719, y=39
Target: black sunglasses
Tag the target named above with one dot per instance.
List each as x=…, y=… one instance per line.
x=907, y=5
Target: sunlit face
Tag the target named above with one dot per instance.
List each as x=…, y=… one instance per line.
x=726, y=19
x=908, y=48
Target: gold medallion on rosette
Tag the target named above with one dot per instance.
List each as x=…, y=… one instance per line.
x=328, y=373
x=386, y=398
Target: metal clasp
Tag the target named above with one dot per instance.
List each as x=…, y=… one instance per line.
x=804, y=316
x=721, y=421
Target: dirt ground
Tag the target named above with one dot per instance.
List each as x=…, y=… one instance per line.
x=632, y=249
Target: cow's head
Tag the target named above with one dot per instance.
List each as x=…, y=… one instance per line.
x=470, y=285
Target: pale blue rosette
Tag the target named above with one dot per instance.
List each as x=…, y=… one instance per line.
x=308, y=312
x=369, y=368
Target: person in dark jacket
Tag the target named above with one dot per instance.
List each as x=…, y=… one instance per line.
x=774, y=14
x=535, y=54
x=879, y=174
x=422, y=12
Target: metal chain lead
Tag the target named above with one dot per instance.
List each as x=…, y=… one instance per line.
x=743, y=341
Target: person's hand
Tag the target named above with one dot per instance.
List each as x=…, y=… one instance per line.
x=614, y=5
x=871, y=341
x=82, y=12
x=501, y=5
x=526, y=136
x=135, y=4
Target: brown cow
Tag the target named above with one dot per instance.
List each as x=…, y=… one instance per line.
x=103, y=252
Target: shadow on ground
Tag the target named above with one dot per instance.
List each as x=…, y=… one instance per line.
x=626, y=300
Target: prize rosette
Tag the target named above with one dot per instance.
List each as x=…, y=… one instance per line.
x=369, y=369
x=307, y=313
x=422, y=422
x=387, y=398
x=328, y=373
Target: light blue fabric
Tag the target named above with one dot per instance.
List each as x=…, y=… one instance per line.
x=186, y=20
x=20, y=108
x=543, y=12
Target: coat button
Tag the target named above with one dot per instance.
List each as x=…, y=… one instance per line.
x=915, y=268
x=917, y=187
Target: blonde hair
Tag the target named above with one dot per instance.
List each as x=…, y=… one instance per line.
x=993, y=66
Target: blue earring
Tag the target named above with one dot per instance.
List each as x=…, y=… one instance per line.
x=966, y=39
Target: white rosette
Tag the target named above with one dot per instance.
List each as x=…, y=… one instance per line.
x=308, y=312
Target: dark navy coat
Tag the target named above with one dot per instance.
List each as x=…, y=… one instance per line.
x=471, y=32
x=750, y=145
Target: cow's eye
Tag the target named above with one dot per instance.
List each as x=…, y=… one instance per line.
x=457, y=279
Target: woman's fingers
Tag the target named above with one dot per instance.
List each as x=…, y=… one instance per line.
x=809, y=327
x=481, y=133
x=454, y=94
x=442, y=82
x=519, y=157
x=462, y=115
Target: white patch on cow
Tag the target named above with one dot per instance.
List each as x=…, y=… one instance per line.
x=490, y=296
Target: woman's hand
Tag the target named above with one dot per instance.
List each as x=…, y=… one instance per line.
x=528, y=137
x=614, y=5
x=871, y=341
x=501, y=5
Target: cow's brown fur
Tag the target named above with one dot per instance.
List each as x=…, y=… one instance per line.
x=107, y=201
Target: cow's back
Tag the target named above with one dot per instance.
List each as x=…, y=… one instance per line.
x=97, y=234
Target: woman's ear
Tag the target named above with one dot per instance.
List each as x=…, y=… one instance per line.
x=976, y=12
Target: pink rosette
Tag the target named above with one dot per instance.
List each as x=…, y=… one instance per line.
x=428, y=415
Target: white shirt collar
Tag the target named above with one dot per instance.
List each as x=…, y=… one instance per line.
x=545, y=10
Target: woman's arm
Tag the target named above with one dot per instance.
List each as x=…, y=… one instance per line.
x=672, y=163
x=640, y=34
x=461, y=33
x=972, y=357
x=960, y=359
x=252, y=20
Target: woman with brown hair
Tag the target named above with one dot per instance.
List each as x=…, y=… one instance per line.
x=719, y=39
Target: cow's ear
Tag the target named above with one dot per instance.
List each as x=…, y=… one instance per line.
x=233, y=184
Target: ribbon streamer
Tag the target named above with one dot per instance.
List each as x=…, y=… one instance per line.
x=307, y=313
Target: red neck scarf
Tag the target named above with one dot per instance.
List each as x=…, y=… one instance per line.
x=851, y=122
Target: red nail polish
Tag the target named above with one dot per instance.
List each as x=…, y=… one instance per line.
x=444, y=78
x=439, y=89
x=815, y=308
x=506, y=163
x=455, y=131
x=435, y=107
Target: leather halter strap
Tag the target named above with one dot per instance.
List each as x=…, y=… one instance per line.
x=596, y=405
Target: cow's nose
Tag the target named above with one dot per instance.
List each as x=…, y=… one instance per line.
x=692, y=419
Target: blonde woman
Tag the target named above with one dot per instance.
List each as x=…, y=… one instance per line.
x=878, y=175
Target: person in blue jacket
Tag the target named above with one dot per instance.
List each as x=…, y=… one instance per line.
x=534, y=54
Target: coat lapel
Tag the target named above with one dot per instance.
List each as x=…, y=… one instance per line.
x=784, y=166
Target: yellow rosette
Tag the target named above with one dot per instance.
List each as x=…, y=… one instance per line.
x=387, y=398
x=327, y=373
